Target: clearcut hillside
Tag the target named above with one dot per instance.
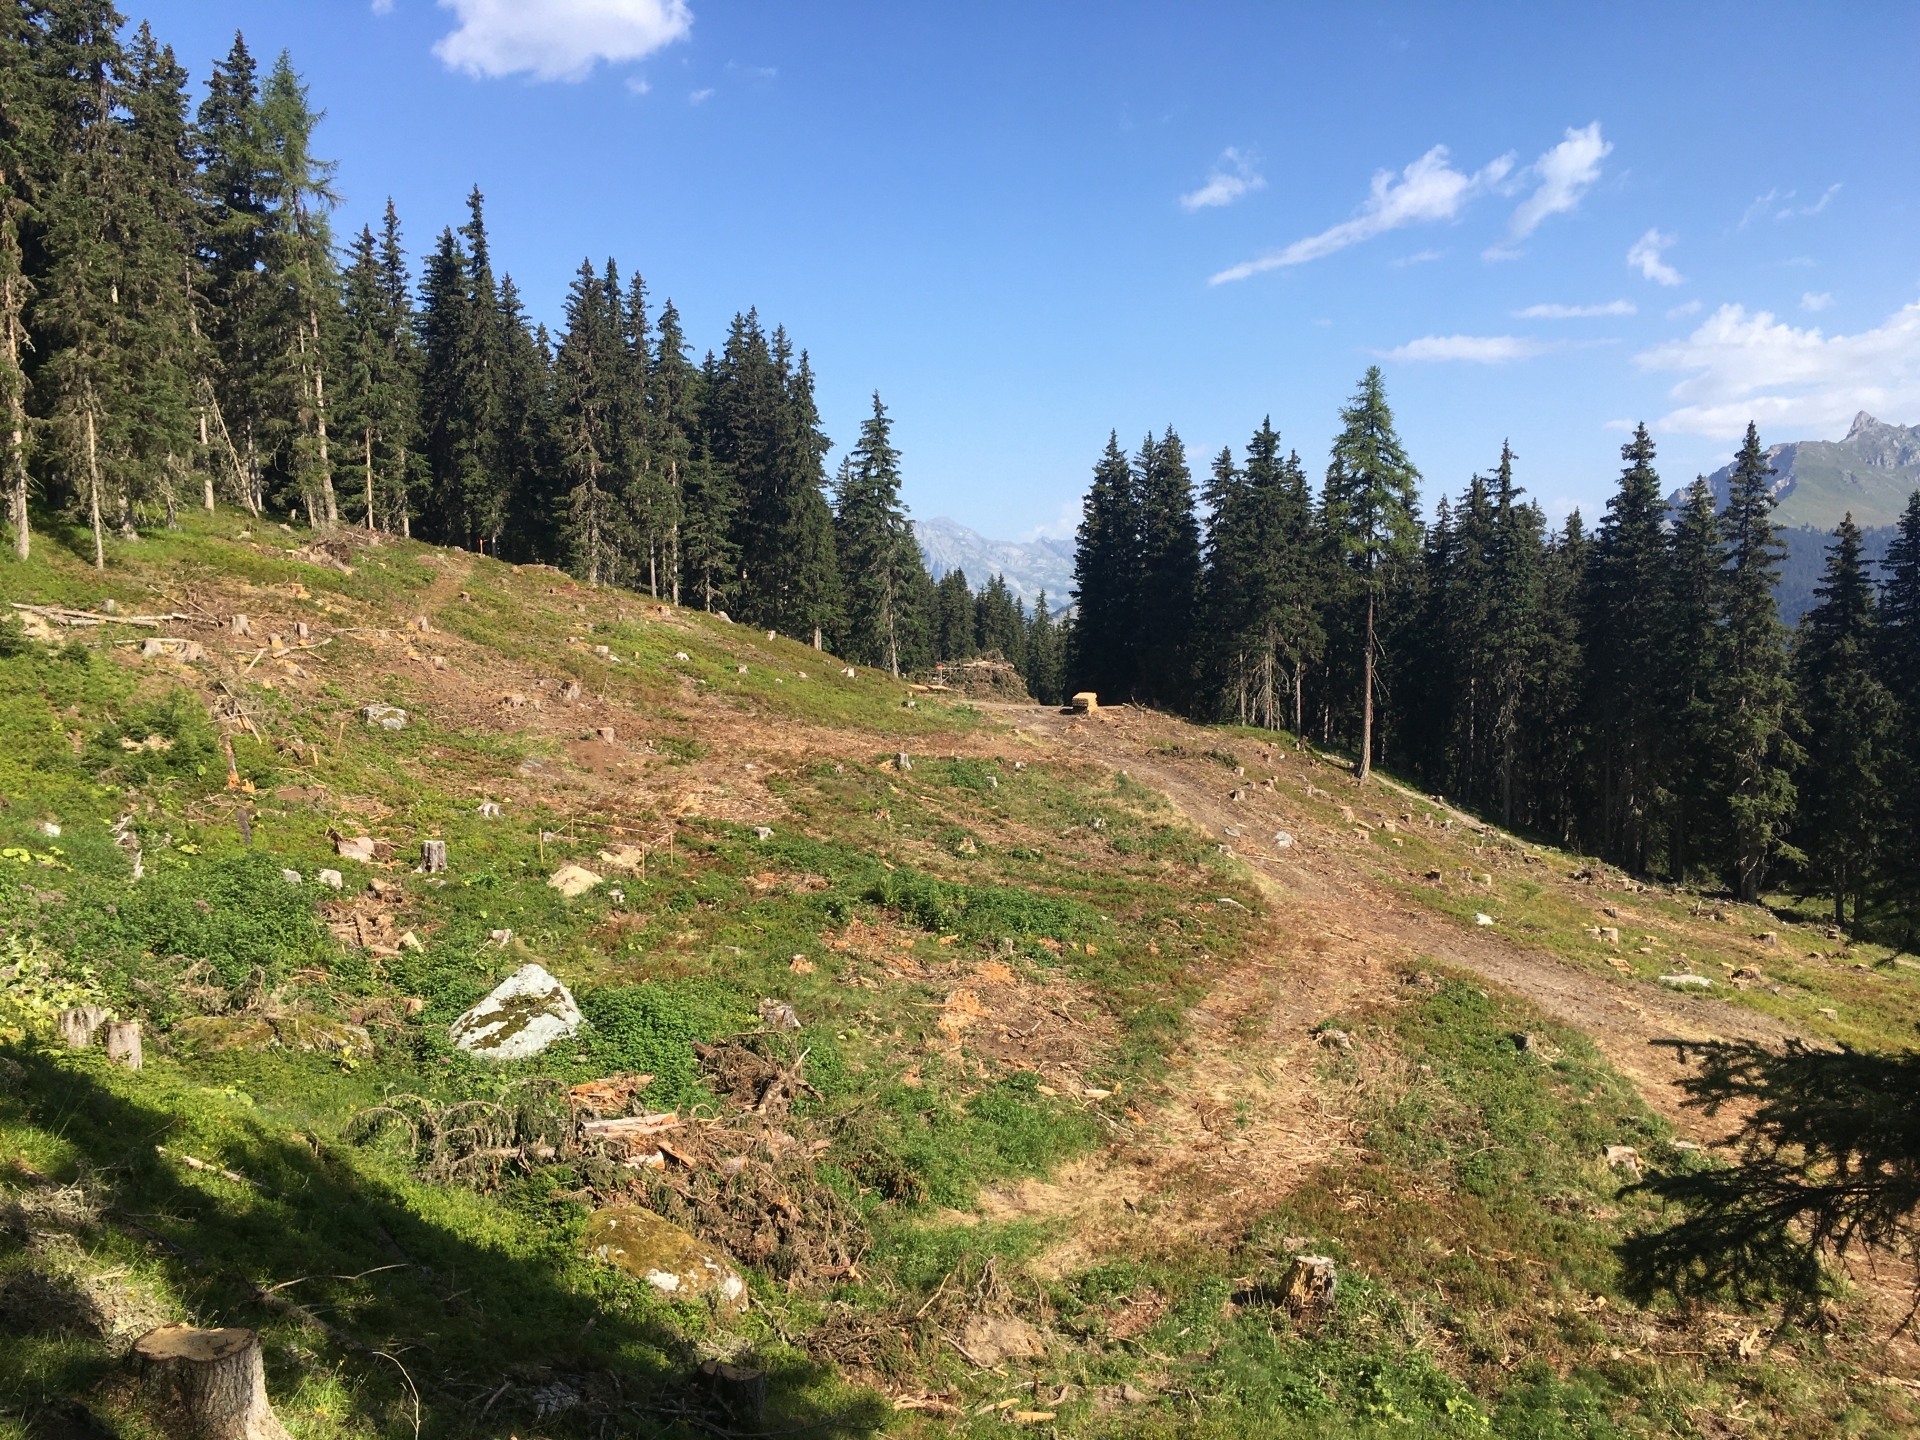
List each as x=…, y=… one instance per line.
x=1010, y=1058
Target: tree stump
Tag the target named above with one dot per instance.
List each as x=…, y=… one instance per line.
x=215, y=1378
x=78, y=1024
x=741, y=1391
x=123, y=1043
x=433, y=857
x=1307, y=1292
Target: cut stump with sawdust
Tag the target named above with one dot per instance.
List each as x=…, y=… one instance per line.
x=212, y=1381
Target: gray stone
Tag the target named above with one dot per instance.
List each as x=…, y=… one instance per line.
x=521, y=1016
x=387, y=717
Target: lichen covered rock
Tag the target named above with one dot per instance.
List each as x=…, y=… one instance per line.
x=661, y=1254
x=524, y=1014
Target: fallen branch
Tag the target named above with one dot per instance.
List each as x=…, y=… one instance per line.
x=60, y=615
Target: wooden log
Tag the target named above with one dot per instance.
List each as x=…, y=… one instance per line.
x=433, y=857
x=214, y=1379
x=123, y=1043
x=78, y=1024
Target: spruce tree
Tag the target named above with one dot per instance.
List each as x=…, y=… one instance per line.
x=1000, y=623
x=876, y=546
x=1628, y=658
x=1848, y=726
x=1107, y=579
x=1697, y=557
x=1899, y=670
x=1752, y=687
x=1046, y=655
x=587, y=383
x=1369, y=500
x=953, y=617
x=673, y=404
x=24, y=126
x=1169, y=580
x=1515, y=563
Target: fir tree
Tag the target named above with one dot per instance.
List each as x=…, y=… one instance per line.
x=587, y=383
x=1697, y=558
x=1000, y=624
x=1369, y=501
x=1046, y=655
x=1107, y=572
x=673, y=404
x=876, y=546
x=1752, y=687
x=24, y=123
x=953, y=618
x=1169, y=578
x=1513, y=638
x=1899, y=670
x=1848, y=724
x=1628, y=658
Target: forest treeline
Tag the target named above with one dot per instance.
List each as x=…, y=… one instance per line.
x=181, y=326
x=1629, y=691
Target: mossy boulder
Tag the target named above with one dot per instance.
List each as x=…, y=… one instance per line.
x=521, y=1016
x=661, y=1254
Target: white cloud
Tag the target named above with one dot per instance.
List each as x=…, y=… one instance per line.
x=1645, y=256
x=1757, y=208
x=1757, y=368
x=383, y=7
x=1792, y=212
x=639, y=85
x=1428, y=189
x=1623, y=425
x=1816, y=300
x=1575, y=312
x=557, y=39
x=699, y=97
x=1419, y=257
x=1479, y=349
x=1565, y=172
x=1233, y=176
x=1692, y=307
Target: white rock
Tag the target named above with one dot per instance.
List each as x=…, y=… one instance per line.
x=681, y=655
x=355, y=847
x=330, y=877
x=387, y=717
x=571, y=880
x=762, y=832
x=1687, y=982
x=523, y=1015
x=49, y=829
x=292, y=877
x=1482, y=918
x=1282, y=840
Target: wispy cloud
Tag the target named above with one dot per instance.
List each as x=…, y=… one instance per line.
x=699, y=97
x=1566, y=172
x=1744, y=367
x=1763, y=203
x=1576, y=312
x=1477, y=349
x=1645, y=257
x=1234, y=174
x=383, y=7
x=1419, y=257
x=1691, y=307
x=1816, y=300
x=557, y=39
x=1429, y=189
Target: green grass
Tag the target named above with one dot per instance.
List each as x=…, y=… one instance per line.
x=1061, y=871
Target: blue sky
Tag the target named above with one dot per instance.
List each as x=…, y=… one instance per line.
x=1027, y=225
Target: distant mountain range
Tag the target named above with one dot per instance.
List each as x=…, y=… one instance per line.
x=1870, y=473
x=1029, y=568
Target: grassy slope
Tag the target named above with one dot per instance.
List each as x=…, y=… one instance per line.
x=1475, y=1229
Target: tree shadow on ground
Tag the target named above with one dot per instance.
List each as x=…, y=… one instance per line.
x=500, y=1327
x=1828, y=1161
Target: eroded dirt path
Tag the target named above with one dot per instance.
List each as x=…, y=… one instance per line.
x=1343, y=945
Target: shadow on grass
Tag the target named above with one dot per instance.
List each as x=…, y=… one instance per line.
x=499, y=1324
x=1829, y=1160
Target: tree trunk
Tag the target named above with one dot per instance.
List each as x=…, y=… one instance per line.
x=123, y=1043
x=369, y=434
x=214, y=1377
x=78, y=1024
x=16, y=412
x=206, y=476
x=1366, y=701
x=93, y=495
x=320, y=421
